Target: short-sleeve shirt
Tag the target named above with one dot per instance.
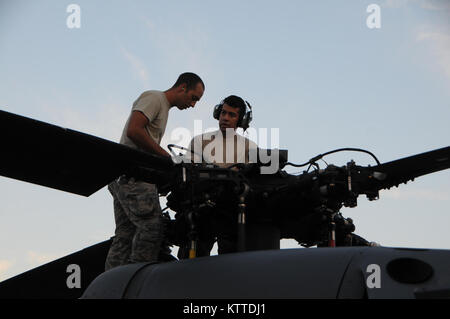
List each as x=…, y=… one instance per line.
x=222, y=150
x=155, y=106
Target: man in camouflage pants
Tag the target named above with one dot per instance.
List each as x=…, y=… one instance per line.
x=139, y=234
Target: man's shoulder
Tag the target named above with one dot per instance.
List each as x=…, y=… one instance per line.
x=150, y=95
x=151, y=101
x=153, y=92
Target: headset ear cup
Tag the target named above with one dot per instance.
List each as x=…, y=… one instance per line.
x=245, y=123
x=247, y=118
x=217, y=110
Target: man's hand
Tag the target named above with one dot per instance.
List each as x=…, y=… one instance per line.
x=137, y=133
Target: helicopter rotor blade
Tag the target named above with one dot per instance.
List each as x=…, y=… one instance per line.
x=403, y=170
x=50, y=280
x=64, y=159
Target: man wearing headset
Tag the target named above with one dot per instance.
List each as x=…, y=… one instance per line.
x=139, y=233
x=223, y=148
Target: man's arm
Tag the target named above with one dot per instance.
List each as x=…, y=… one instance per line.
x=137, y=133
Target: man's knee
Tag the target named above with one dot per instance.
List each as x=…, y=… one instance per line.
x=119, y=252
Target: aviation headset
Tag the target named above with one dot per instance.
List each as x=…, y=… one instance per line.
x=245, y=117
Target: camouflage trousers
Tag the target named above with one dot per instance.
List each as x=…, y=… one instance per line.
x=139, y=225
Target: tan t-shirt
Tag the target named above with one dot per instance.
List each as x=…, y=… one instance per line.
x=222, y=149
x=155, y=106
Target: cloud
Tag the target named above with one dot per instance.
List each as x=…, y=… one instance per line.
x=439, y=44
x=396, y=3
x=35, y=258
x=185, y=48
x=435, y=4
x=436, y=34
x=186, y=51
x=5, y=265
x=424, y=4
x=32, y=259
x=137, y=66
x=105, y=120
